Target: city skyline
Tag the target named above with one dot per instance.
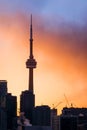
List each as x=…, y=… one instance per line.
x=59, y=46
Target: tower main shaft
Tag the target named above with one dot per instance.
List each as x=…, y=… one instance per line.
x=31, y=63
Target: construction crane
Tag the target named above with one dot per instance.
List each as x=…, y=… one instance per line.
x=66, y=100
x=54, y=107
x=69, y=104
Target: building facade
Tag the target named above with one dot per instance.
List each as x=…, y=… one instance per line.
x=11, y=109
x=27, y=103
x=68, y=123
x=42, y=116
x=3, y=92
x=80, y=113
x=37, y=128
x=3, y=119
x=54, y=119
x=3, y=113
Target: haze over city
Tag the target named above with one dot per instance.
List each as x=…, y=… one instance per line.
x=60, y=48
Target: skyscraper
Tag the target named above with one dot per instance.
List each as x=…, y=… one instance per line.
x=3, y=119
x=27, y=98
x=3, y=114
x=3, y=92
x=11, y=109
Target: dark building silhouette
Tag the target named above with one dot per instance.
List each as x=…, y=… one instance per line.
x=27, y=103
x=8, y=107
x=3, y=114
x=11, y=109
x=68, y=122
x=82, y=127
x=27, y=98
x=42, y=116
x=81, y=114
x=37, y=128
x=3, y=119
x=3, y=92
x=74, y=111
x=54, y=119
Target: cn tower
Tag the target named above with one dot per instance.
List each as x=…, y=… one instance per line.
x=31, y=62
x=27, y=98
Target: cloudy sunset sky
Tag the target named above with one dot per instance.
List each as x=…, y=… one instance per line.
x=60, y=49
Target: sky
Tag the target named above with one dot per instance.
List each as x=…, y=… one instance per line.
x=60, y=49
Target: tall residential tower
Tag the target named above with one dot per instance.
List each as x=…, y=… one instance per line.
x=27, y=98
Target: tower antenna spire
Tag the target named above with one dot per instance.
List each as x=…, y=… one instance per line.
x=31, y=31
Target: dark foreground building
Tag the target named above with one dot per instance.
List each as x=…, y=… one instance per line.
x=54, y=119
x=11, y=109
x=3, y=119
x=3, y=113
x=80, y=113
x=27, y=103
x=27, y=98
x=3, y=93
x=37, y=128
x=8, y=107
x=68, y=123
x=42, y=116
